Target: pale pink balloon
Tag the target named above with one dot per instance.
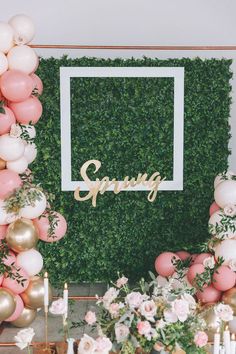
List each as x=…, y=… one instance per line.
x=209, y=294
x=224, y=278
x=9, y=182
x=213, y=208
x=10, y=259
x=16, y=86
x=13, y=285
x=3, y=230
x=38, y=85
x=193, y=271
x=201, y=257
x=1, y=279
x=6, y=120
x=43, y=226
x=164, y=263
x=183, y=255
x=27, y=111
x=18, y=311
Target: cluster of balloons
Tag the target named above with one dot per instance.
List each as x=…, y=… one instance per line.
x=222, y=246
x=22, y=294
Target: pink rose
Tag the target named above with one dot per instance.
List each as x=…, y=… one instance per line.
x=224, y=312
x=121, y=282
x=109, y=297
x=134, y=299
x=114, y=310
x=200, y=339
x=148, y=309
x=58, y=307
x=121, y=332
x=230, y=210
x=144, y=329
x=90, y=317
x=103, y=345
x=181, y=308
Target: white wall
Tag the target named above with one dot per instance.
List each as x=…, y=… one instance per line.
x=130, y=22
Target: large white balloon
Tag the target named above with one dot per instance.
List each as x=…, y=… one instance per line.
x=226, y=249
x=35, y=209
x=232, y=325
x=18, y=166
x=6, y=35
x=24, y=29
x=22, y=58
x=11, y=148
x=6, y=218
x=3, y=63
x=218, y=225
x=30, y=152
x=225, y=193
x=31, y=261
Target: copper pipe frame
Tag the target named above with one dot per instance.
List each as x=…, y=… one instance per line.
x=136, y=47
x=79, y=298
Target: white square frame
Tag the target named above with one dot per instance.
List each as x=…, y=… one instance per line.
x=66, y=73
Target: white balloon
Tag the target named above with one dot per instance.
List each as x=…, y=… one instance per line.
x=22, y=58
x=225, y=193
x=226, y=249
x=216, y=220
x=6, y=35
x=18, y=166
x=218, y=180
x=35, y=209
x=3, y=63
x=11, y=148
x=232, y=325
x=24, y=29
x=30, y=152
x=6, y=218
x=31, y=261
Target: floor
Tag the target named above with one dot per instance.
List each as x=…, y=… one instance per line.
x=78, y=310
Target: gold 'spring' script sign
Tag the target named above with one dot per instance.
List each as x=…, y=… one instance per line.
x=101, y=186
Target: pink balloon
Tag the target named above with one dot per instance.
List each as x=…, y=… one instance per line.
x=224, y=278
x=43, y=226
x=16, y=86
x=3, y=230
x=6, y=120
x=209, y=294
x=9, y=181
x=13, y=285
x=213, y=208
x=164, y=265
x=1, y=279
x=201, y=257
x=193, y=271
x=27, y=111
x=18, y=311
x=193, y=257
x=183, y=255
x=10, y=259
x=38, y=85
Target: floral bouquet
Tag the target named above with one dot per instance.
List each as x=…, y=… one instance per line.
x=155, y=315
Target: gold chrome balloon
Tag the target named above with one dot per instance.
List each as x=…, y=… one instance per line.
x=33, y=296
x=26, y=318
x=2, y=164
x=7, y=304
x=22, y=235
x=213, y=322
x=229, y=298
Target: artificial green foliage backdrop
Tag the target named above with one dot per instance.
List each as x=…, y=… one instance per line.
x=127, y=124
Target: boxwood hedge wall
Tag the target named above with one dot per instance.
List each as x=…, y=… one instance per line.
x=127, y=124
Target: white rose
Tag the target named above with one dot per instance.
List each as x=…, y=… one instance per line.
x=15, y=131
x=209, y=262
x=87, y=345
x=121, y=332
x=109, y=297
x=190, y=299
x=224, y=312
x=148, y=309
x=230, y=210
x=24, y=337
x=170, y=316
x=58, y=307
x=181, y=308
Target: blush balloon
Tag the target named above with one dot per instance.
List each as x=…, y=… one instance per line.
x=6, y=35
x=6, y=120
x=43, y=226
x=16, y=86
x=209, y=294
x=225, y=193
x=10, y=259
x=18, y=166
x=183, y=255
x=22, y=58
x=193, y=271
x=38, y=85
x=224, y=278
x=11, y=148
x=9, y=182
x=18, y=311
x=213, y=208
x=27, y=111
x=3, y=63
x=164, y=265
x=3, y=230
x=201, y=258
x=24, y=29
x=13, y=285
x=226, y=250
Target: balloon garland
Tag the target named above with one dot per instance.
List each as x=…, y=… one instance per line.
x=25, y=213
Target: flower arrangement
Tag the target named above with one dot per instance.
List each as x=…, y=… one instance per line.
x=155, y=315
